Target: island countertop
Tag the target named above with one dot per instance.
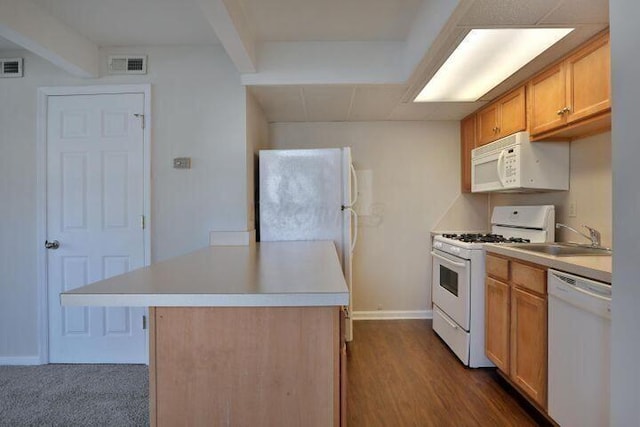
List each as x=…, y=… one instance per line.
x=268, y=274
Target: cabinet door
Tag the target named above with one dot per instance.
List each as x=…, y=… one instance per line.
x=512, y=113
x=547, y=99
x=487, y=127
x=529, y=344
x=467, y=143
x=588, y=80
x=497, y=323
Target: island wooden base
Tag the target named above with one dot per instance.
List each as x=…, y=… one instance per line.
x=248, y=366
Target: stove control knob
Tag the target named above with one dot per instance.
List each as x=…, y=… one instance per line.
x=437, y=245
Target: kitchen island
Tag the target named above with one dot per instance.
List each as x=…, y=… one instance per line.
x=248, y=335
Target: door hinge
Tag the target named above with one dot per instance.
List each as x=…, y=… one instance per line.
x=144, y=322
x=143, y=222
x=141, y=117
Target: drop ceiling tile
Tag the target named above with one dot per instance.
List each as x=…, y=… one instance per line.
x=280, y=103
x=375, y=102
x=579, y=12
x=328, y=103
x=330, y=20
x=434, y=110
x=506, y=12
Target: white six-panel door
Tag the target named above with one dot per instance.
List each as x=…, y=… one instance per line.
x=95, y=199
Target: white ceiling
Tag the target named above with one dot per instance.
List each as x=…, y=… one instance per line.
x=7, y=45
x=393, y=102
x=330, y=20
x=328, y=103
x=368, y=80
x=134, y=22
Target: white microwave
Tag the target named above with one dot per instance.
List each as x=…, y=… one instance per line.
x=515, y=164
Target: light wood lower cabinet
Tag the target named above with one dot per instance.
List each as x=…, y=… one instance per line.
x=246, y=366
x=498, y=323
x=516, y=324
x=529, y=343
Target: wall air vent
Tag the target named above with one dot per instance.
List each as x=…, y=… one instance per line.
x=10, y=67
x=127, y=64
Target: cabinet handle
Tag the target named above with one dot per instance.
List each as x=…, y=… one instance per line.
x=566, y=110
x=560, y=112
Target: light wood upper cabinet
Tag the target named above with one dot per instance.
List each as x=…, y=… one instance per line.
x=488, y=124
x=502, y=117
x=547, y=99
x=573, y=98
x=512, y=112
x=467, y=143
x=588, y=80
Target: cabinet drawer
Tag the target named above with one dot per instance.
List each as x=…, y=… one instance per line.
x=532, y=278
x=497, y=267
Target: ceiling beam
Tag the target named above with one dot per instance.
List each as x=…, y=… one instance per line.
x=229, y=23
x=30, y=27
x=308, y=63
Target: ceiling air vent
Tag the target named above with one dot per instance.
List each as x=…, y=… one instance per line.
x=10, y=67
x=127, y=64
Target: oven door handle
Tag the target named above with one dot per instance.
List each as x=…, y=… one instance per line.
x=441, y=258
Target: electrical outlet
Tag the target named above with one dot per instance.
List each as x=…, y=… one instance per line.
x=573, y=209
x=182, y=163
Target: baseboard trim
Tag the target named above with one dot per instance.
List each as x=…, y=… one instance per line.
x=20, y=360
x=392, y=315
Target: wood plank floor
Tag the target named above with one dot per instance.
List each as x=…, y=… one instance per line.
x=401, y=374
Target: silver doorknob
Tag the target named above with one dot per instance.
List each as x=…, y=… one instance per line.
x=51, y=245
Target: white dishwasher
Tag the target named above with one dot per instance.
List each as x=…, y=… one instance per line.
x=579, y=350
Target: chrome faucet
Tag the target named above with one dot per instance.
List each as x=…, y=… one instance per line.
x=594, y=235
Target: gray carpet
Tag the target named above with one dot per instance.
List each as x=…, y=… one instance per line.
x=74, y=395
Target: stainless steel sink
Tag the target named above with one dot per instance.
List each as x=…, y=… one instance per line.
x=563, y=249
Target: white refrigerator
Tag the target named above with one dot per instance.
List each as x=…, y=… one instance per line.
x=309, y=195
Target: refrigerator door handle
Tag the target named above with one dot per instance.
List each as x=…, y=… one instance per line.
x=355, y=228
x=354, y=178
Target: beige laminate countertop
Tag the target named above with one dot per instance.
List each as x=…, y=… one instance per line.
x=273, y=274
x=590, y=266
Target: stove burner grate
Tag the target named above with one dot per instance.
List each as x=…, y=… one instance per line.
x=484, y=238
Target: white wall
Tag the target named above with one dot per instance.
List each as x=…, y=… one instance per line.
x=590, y=191
x=415, y=180
x=198, y=110
x=257, y=139
x=625, y=68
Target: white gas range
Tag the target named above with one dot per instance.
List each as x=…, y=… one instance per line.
x=458, y=270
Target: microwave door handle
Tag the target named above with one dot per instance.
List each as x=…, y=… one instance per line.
x=501, y=167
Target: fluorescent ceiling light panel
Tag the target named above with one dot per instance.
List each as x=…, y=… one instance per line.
x=485, y=58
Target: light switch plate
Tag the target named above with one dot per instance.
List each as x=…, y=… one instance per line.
x=182, y=163
x=573, y=209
